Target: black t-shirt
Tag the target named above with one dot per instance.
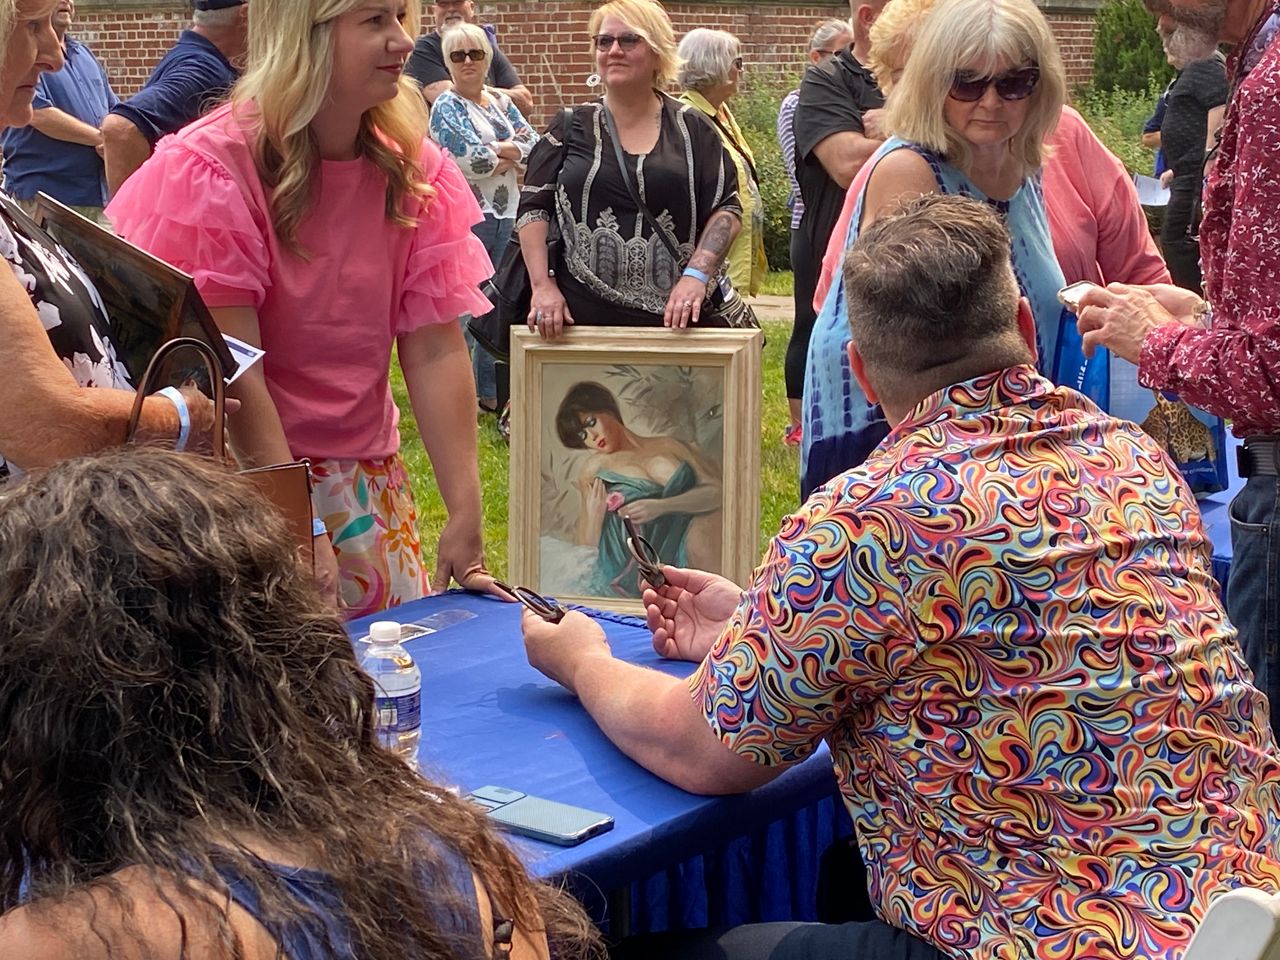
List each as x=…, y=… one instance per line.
x=426, y=64
x=833, y=97
x=1199, y=88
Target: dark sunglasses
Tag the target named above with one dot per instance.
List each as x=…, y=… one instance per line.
x=1014, y=85
x=645, y=556
x=548, y=609
x=737, y=62
x=457, y=56
x=627, y=41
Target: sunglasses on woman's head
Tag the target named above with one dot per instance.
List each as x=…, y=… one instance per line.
x=457, y=56
x=1014, y=85
x=626, y=41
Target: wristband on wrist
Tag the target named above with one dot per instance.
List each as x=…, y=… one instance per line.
x=696, y=274
x=318, y=529
x=174, y=396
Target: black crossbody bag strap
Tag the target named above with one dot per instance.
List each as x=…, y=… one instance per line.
x=566, y=124
x=649, y=218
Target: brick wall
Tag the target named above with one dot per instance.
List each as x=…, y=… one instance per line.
x=545, y=39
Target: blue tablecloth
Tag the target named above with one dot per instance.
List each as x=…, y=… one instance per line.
x=490, y=718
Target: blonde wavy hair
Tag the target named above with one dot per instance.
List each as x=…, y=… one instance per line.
x=649, y=20
x=8, y=10
x=291, y=50
x=892, y=36
x=982, y=36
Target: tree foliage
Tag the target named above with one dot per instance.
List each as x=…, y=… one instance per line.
x=1127, y=54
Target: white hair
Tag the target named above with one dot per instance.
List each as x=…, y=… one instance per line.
x=705, y=58
x=827, y=31
x=216, y=19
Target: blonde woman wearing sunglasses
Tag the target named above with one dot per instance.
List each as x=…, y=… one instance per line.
x=969, y=114
x=614, y=268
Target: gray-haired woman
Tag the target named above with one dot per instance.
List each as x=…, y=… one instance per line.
x=711, y=66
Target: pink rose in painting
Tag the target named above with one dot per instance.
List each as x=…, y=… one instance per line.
x=614, y=501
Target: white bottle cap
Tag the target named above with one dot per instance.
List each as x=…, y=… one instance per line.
x=384, y=631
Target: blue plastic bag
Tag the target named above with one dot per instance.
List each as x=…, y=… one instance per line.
x=1195, y=440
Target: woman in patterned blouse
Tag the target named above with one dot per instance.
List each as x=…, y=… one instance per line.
x=56, y=333
x=489, y=138
x=613, y=268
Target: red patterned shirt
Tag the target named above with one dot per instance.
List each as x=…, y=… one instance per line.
x=1233, y=369
x=1004, y=625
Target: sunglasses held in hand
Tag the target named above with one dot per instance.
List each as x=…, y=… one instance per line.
x=457, y=56
x=1013, y=85
x=645, y=556
x=548, y=609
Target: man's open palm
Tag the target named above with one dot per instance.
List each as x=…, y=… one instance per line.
x=689, y=612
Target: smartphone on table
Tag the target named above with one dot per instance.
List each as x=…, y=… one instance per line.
x=540, y=819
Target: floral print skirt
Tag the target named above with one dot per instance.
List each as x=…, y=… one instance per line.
x=367, y=507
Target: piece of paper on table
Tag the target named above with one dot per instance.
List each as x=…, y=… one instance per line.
x=246, y=355
x=1150, y=191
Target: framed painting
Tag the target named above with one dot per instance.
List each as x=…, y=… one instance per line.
x=656, y=425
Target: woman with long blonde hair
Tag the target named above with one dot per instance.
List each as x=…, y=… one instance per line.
x=322, y=225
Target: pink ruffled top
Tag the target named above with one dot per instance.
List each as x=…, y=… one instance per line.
x=328, y=322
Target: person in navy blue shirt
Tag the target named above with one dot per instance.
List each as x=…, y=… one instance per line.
x=58, y=152
x=193, y=77
x=427, y=68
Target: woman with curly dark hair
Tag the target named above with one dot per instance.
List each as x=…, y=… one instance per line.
x=188, y=765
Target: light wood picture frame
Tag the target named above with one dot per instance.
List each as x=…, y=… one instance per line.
x=683, y=452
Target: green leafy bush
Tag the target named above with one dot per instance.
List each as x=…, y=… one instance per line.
x=1117, y=116
x=756, y=110
x=1127, y=54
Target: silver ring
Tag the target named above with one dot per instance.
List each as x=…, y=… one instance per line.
x=688, y=303
x=538, y=316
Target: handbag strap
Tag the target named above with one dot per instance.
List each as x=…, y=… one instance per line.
x=737, y=147
x=566, y=140
x=150, y=383
x=649, y=218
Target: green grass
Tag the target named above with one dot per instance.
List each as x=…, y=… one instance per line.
x=778, y=283
x=779, y=464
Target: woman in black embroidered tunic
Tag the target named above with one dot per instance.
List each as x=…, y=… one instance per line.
x=613, y=268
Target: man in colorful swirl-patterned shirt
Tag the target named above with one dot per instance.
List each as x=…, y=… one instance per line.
x=1004, y=625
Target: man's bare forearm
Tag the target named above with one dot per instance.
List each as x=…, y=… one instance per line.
x=61, y=125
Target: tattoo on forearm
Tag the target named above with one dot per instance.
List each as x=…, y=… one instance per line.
x=714, y=244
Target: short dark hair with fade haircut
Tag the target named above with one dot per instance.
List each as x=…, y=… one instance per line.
x=931, y=296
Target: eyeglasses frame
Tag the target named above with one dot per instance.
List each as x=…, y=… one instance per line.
x=645, y=556
x=1019, y=74
x=547, y=608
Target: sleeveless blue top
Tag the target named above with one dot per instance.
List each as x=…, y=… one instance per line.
x=841, y=427
x=320, y=930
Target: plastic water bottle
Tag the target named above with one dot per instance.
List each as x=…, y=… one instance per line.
x=398, y=694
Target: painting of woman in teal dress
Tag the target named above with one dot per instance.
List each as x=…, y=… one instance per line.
x=665, y=485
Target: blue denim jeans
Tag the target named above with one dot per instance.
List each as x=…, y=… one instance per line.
x=1253, y=586
x=494, y=234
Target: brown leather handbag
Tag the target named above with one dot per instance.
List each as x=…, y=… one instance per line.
x=287, y=486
